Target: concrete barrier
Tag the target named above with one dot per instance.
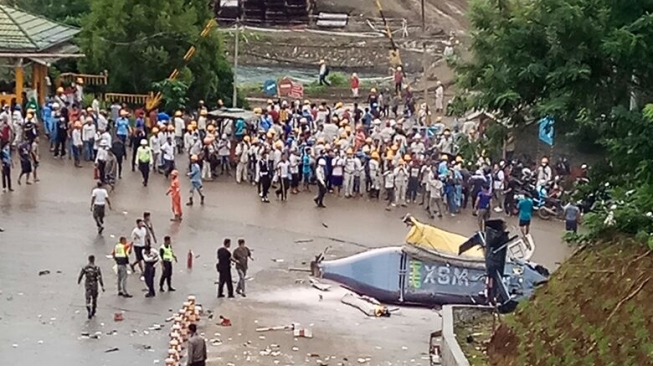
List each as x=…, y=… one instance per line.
x=452, y=354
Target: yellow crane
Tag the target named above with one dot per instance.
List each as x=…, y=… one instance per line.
x=395, y=59
x=155, y=99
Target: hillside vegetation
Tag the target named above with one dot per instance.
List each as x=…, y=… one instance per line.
x=596, y=310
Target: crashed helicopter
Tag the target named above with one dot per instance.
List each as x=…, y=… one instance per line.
x=436, y=267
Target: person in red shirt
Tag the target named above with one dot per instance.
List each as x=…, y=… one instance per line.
x=354, y=82
x=398, y=78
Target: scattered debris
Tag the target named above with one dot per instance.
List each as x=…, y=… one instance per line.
x=295, y=269
x=147, y=347
x=278, y=260
x=113, y=332
x=118, y=317
x=279, y=327
x=14, y=345
x=368, y=306
x=44, y=272
x=39, y=342
x=299, y=241
x=261, y=337
x=303, y=333
x=215, y=342
x=318, y=285
x=156, y=327
x=114, y=349
x=224, y=321
x=299, y=281
x=325, y=225
x=295, y=349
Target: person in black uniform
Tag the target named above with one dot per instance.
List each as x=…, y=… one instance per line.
x=149, y=258
x=264, y=177
x=224, y=269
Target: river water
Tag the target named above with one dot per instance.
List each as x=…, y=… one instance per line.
x=248, y=75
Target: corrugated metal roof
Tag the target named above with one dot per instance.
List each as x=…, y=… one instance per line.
x=21, y=31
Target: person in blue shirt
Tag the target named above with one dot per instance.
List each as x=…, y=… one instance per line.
x=7, y=164
x=195, y=176
x=241, y=128
x=122, y=127
x=482, y=206
x=306, y=168
x=525, y=207
x=265, y=122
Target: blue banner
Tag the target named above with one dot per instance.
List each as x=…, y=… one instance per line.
x=270, y=87
x=546, y=130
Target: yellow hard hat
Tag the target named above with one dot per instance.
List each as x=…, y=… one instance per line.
x=278, y=144
x=171, y=128
x=193, y=157
x=444, y=157
x=401, y=162
x=327, y=147
x=190, y=127
x=177, y=113
x=343, y=135
x=375, y=155
x=339, y=105
x=60, y=89
x=350, y=151
x=307, y=102
x=269, y=134
x=79, y=81
x=407, y=158
x=258, y=110
x=439, y=119
x=369, y=140
x=246, y=139
x=338, y=143
x=366, y=149
x=459, y=159
x=270, y=101
x=320, y=141
x=347, y=128
x=78, y=124
x=203, y=112
x=394, y=147
x=155, y=130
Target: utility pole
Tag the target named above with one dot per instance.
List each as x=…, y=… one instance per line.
x=234, y=98
x=425, y=65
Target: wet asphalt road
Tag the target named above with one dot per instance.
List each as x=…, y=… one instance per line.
x=48, y=226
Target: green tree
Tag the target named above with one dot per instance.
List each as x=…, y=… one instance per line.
x=140, y=42
x=583, y=63
x=65, y=11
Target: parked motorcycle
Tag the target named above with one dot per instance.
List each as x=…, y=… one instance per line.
x=551, y=208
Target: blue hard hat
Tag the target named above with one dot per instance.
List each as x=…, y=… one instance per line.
x=17, y=107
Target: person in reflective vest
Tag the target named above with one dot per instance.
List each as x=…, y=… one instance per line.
x=145, y=160
x=121, y=256
x=167, y=256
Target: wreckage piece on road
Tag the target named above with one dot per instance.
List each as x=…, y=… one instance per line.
x=424, y=273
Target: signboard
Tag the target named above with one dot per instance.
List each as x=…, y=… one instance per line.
x=291, y=89
x=297, y=91
x=438, y=277
x=546, y=131
x=270, y=87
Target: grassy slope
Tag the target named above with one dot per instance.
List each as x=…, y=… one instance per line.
x=596, y=310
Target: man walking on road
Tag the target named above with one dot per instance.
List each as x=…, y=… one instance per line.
x=224, y=269
x=167, y=256
x=99, y=199
x=241, y=255
x=93, y=276
x=150, y=258
x=138, y=240
x=145, y=159
x=121, y=256
x=196, y=348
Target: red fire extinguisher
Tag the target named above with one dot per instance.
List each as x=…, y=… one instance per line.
x=189, y=261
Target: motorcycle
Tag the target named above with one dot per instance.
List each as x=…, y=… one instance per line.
x=552, y=208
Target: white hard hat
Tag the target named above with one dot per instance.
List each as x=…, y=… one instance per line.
x=143, y=142
x=418, y=136
x=322, y=162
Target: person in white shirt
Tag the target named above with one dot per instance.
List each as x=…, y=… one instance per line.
x=95, y=105
x=139, y=234
x=99, y=200
x=401, y=181
x=155, y=145
x=283, y=175
x=101, y=161
x=439, y=97
x=180, y=126
x=88, y=139
x=77, y=143
x=168, y=150
x=374, y=171
x=320, y=175
x=337, y=173
x=435, y=190
x=224, y=151
x=389, y=185
x=350, y=170
x=242, y=154
x=294, y=161
x=102, y=121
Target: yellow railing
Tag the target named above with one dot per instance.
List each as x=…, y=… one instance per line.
x=134, y=99
x=88, y=79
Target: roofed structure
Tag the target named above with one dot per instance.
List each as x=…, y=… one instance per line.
x=24, y=32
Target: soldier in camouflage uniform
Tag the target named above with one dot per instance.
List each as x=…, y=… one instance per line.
x=93, y=277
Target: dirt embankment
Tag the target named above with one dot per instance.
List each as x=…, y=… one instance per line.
x=596, y=310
